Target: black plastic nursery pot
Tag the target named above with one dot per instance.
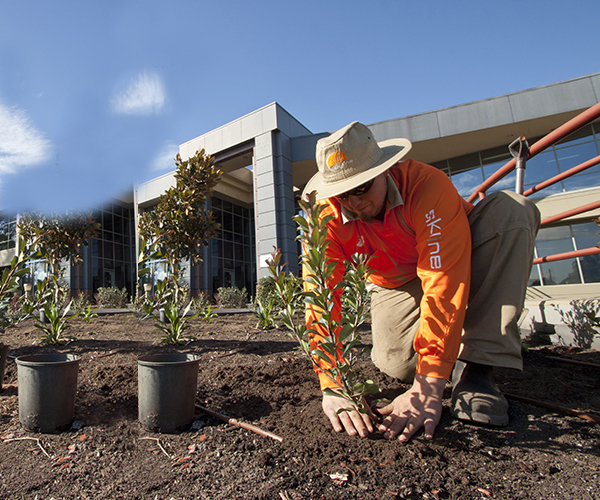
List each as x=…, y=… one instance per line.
x=167, y=386
x=3, y=356
x=47, y=389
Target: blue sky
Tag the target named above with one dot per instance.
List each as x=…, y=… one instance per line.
x=97, y=95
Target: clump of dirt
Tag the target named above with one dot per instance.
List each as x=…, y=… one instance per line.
x=258, y=377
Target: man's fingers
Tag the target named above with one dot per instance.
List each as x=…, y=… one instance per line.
x=386, y=410
x=410, y=428
x=396, y=426
x=429, y=427
x=335, y=422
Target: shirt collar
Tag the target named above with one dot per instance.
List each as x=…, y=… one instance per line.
x=394, y=199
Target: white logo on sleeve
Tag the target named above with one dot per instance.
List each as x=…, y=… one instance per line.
x=435, y=233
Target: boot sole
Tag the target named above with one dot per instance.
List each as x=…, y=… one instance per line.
x=481, y=418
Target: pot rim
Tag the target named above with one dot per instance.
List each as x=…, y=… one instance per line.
x=46, y=359
x=170, y=359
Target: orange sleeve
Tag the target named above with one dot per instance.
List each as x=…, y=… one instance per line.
x=443, y=243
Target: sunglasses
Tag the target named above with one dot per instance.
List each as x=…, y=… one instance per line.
x=357, y=191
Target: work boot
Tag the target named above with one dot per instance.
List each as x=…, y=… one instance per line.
x=476, y=397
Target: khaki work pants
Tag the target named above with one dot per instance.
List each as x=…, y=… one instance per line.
x=503, y=230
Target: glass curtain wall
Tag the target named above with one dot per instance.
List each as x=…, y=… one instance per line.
x=8, y=232
x=232, y=251
x=469, y=171
x=560, y=239
x=113, y=250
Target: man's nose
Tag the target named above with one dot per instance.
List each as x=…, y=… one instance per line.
x=353, y=201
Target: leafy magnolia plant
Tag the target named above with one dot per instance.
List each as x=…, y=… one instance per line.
x=177, y=229
x=334, y=353
x=10, y=284
x=54, y=238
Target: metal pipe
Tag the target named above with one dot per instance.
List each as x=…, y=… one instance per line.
x=553, y=407
x=567, y=255
x=519, y=149
x=569, y=213
x=553, y=137
x=237, y=423
x=557, y=178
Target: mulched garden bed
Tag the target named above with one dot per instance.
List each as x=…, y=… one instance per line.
x=258, y=377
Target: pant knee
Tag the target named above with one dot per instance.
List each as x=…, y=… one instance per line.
x=403, y=372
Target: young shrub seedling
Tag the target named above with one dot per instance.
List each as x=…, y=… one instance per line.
x=265, y=315
x=89, y=313
x=208, y=313
x=56, y=324
x=175, y=325
x=176, y=229
x=330, y=344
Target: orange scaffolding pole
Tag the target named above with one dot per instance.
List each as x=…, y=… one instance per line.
x=569, y=213
x=567, y=255
x=553, y=137
x=564, y=175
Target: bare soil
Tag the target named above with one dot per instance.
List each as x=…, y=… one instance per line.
x=257, y=377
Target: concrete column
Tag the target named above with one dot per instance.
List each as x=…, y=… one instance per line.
x=274, y=201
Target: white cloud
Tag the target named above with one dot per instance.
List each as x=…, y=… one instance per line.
x=144, y=96
x=165, y=159
x=21, y=144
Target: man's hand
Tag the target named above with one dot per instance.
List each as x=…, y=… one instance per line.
x=420, y=406
x=352, y=420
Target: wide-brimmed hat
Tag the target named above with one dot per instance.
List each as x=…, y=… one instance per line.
x=350, y=157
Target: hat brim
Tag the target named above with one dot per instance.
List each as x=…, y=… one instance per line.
x=393, y=151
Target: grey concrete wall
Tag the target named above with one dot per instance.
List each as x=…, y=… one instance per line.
x=548, y=100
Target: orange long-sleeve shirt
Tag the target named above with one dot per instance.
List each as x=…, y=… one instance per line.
x=425, y=233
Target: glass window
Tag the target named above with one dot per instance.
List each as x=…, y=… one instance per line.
x=582, y=181
x=118, y=252
x=586, y=236
x=118, y=225
x=576, y=155
x=227, y=221
x=238, y=224
x=462, y=163
x=237, y=233
x=541, y=168
x=507, y=182
x=107, y=221
x=239, y=252
x=500, y=155
x=555, y=240
x=466, y=182
x=108, y=250
x=228, y=249
x=581, y=135
x=534, y=277
x=8, y=232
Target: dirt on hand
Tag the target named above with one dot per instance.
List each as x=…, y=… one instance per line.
x=258, y=377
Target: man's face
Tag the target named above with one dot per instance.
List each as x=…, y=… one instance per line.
x=369, y=205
